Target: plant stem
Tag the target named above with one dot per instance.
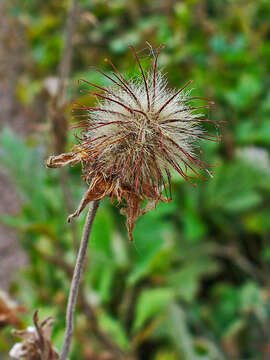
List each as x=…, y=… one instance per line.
x=65, y=65
x=74, y=289
x=59, y=121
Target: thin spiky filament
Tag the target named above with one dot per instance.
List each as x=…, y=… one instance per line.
x=143, y=75
x=136, y=134
x=155, y=72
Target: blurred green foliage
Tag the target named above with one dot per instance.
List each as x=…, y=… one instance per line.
x=195, y=285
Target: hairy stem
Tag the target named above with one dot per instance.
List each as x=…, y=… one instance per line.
x=74, y=289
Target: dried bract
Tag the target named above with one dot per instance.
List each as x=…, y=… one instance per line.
x=9, y=311
x=36, y=342
x=138, y=132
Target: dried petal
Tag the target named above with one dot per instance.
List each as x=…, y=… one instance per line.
x=36, y=342
x=62, y=160
x=9, y=311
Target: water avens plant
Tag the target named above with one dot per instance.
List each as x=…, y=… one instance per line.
x=129, y=143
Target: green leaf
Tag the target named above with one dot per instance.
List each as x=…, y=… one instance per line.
x=245, y=93
x=114, y=328
x=253, y=132
x=231, y=193
x=187, y=280
x=150, y=303
x=152, y=234
x=252, y=300
x=180, y=334
x=101, y=241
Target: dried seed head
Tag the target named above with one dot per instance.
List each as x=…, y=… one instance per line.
x=138, y=132
x=36, y=342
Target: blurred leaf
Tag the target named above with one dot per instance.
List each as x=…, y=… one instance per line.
x=166, y=355
x=114, y=329
x=253, y=132
x=157, y=231
x=120, y=45
x=186, y=280
x=252, y=301
x=180, y=334
x=151, y=302
x=226, y=193
x=243, y=97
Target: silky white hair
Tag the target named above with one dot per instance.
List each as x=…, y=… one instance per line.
x=137, y=133
x=140, y=129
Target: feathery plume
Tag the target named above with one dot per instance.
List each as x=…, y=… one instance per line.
x=136, y=134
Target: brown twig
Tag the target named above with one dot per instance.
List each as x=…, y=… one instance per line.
x=74, y=289
x=59, y=121
x=232, y=253
x=65, y=64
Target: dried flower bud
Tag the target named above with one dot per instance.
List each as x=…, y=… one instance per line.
x=131, y=140
x=36, y=344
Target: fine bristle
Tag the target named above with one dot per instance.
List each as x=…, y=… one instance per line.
x=136, y=134
x=145, y=127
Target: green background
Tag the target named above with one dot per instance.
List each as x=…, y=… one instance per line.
x=195, y=284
